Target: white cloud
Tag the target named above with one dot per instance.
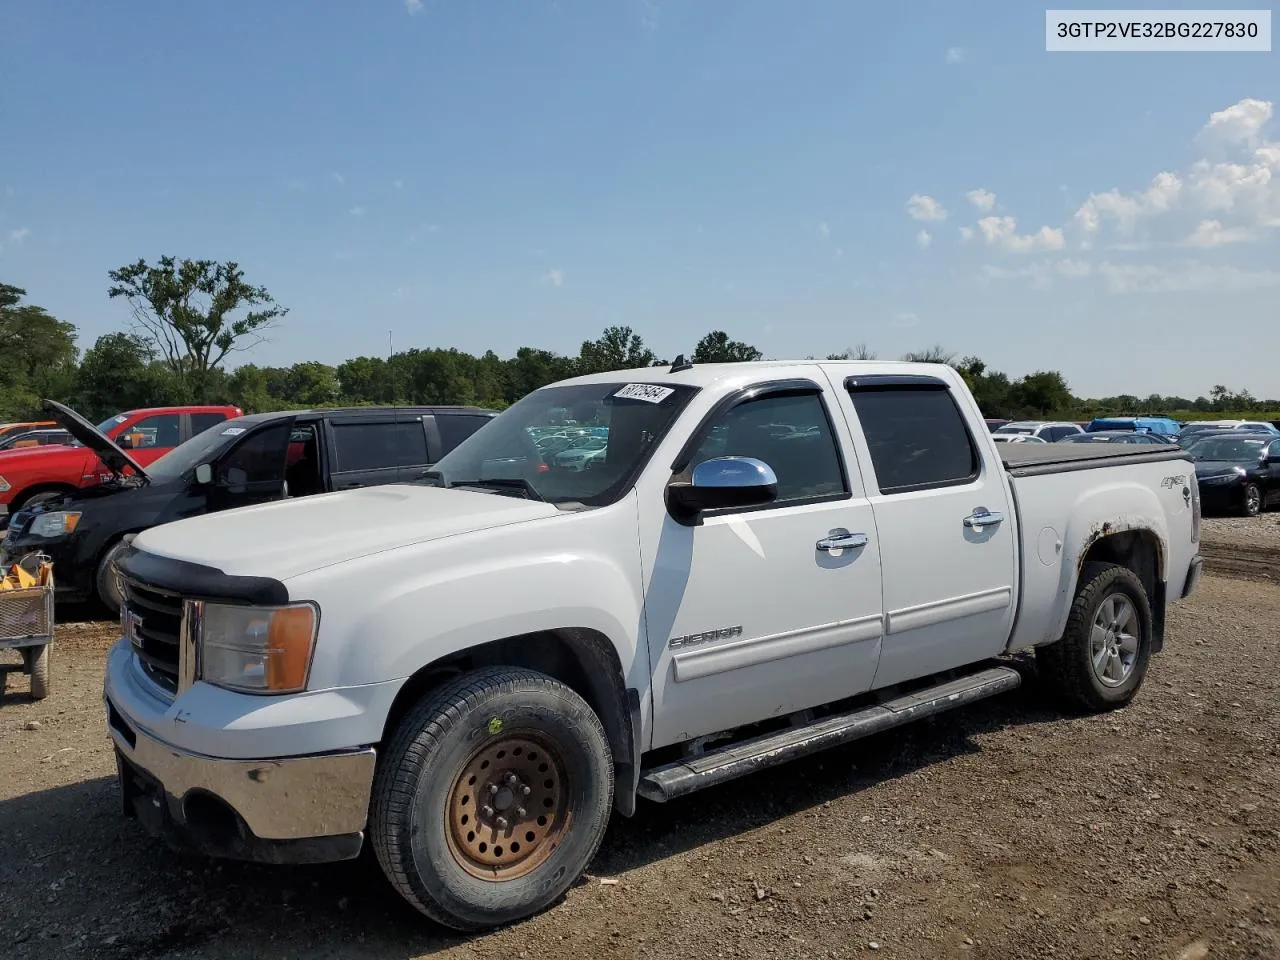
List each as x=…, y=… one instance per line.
x=1211, y=233
x=1125, y=278
x=357, y=211
x=922, y=207
x=650, y=15
x=338, y=178
x=839, y=254
x=904, y=320
x=984, y=200
x=397, y=184
x=18, y=236
x=923, y=240
x=1239, y=123
x=1127, y=210
x=954, y=54
x=1003, y=231
x=824, y=230
x=413, y=6
x=552, y=278
x=966, y=234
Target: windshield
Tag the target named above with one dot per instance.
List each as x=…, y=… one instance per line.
x=1088, y=438
x=1226, y=448
x=1018, y=430
x=110, y=422
x=506, y=455
x=202, y=448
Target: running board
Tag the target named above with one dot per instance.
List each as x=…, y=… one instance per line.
x=730, y=762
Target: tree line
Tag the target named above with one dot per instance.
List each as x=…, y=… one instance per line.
x=190, y=317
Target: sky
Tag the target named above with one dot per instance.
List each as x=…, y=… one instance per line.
x=804, y=174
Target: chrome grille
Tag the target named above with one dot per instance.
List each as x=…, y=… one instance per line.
x=152, y=621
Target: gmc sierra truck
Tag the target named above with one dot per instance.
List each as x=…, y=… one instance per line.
x=472, y=671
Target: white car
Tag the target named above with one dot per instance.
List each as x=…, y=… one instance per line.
x=1047, y=430
x=1016, y=438
x=472, y=676
x=583, y=453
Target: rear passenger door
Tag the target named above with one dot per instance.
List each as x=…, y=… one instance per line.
x=944, y=522
x=368, y=451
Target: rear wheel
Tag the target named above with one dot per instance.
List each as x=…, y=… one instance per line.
x=1101, y=660
x=492, y=798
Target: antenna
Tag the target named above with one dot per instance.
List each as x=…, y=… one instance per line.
x=680, y=364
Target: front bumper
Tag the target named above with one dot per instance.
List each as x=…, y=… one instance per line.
x=287, y=809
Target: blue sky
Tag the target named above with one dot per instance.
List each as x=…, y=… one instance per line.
x=488, y=175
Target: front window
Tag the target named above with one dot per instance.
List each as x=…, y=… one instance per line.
x=203, y=448
x=628, y=421
x=1226, y=448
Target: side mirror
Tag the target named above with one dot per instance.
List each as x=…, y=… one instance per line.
x=720, y=483
x=204, y=474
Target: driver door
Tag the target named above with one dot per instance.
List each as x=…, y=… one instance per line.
x=748, y=617
x=253, y=470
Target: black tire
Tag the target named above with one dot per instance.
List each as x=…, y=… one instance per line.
x=36, y=662
x=419, y=794
x=1068, y=664
x=1251, y=500
x=104, y=581
x=38, y=496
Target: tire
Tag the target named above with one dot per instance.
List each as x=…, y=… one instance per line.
x=104, y=583
x=430, y=789
x=39, y=496
x=1069, y=664
x=1251, y=500
x=36, y=662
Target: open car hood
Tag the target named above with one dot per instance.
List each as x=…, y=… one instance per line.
x=93, y=438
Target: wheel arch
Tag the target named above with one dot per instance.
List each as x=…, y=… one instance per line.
x=584, y=659
x=1140, y=549
x=19, y=500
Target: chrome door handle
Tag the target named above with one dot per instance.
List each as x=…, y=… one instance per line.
x=842, y=541
x=982, y=517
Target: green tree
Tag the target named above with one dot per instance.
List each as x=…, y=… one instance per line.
x=618, y=348
x=716, y=347
x=195, y=313
x=119, y=373
x=1042, y=393
x=37, y=355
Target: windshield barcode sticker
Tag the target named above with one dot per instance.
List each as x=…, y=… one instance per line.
x=233, y=431
x=648, y=392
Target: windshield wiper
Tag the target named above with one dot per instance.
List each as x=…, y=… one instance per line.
x=503, y=484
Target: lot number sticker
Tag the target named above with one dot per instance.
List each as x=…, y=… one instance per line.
x=233, y=431
x=648, y=392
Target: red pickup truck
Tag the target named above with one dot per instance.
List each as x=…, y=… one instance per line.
x=34, y=474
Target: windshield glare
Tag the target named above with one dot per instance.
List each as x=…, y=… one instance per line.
x=544, y=438
x=1226, y=448
x=201, y=448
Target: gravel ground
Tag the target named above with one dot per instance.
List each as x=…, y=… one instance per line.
x=1006, y=830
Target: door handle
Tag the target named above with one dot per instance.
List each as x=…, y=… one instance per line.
x=842, y=541
x=982, y=517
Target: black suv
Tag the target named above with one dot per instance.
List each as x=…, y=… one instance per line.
x=251, y=459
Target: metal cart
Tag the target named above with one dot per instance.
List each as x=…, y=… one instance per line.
x=26, y=621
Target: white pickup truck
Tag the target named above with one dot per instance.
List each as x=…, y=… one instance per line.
x=478, y=668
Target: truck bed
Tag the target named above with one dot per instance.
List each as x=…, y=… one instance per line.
x=1036, y=459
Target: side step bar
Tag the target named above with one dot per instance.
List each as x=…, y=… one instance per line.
x=728, y=763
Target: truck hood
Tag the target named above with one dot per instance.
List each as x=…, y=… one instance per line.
x=290, y=537
x=114, y=457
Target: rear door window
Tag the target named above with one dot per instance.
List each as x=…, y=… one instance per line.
x=200, y=422
x=456, y=427
x=917, y=438
x=375, y=451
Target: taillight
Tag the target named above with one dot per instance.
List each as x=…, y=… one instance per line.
x=1195, y=509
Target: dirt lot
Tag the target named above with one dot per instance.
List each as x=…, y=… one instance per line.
x=1006, y=830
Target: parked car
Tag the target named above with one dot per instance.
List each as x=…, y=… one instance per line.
x=477, y=669
x=994, y=423
x=41, y=437
x=1016, y=438
x=8, y=429
x=247, y=460
x=1118, y=436
x=584, y=454
x=1238, y=471
x=1251, y=426
x=1047, y=430
x=46, y=473
x=1164, y=426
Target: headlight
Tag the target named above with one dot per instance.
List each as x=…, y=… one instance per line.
x=56, y=524
x=258, y=649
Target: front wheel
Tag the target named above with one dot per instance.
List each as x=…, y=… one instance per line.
x=108, y=587
x=1251, y=500
x=1102, y=657
x=492, y=798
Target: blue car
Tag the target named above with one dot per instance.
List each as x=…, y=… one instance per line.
x=1161, y=426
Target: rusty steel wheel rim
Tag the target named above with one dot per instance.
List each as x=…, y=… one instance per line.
x=508, y=809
